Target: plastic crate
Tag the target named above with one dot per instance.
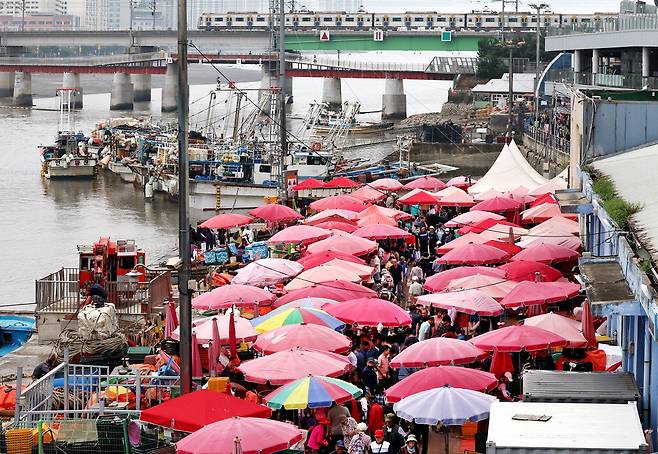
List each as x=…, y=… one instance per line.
x=137, y=354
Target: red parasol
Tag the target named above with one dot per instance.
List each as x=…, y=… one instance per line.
x=438, y=282
x=197, y=371
x=419, y=197
x=240, y=436
x=471, y=218
x=333, y=214
x=546, y=253
x=309, y=183
x=541, y=213
x=509, y=248
x=528, y=293
x=335, y=290
x=438, y=351
x=288, y=365
x=303, y=234
x=562, y=326
x=233, y=294
x=226, y=221
x=274, y=212
x=347, y=243
x=209, y=407
x=516, y=338
x=467, y=301
x=555, y=226
x=501, y=362
x=497, y=226
x=498, y=205
x=342, y=202
x=386, y=184
x=491, y=286
x=473, y=254
x=559, y=239
x=377, y=219
x=370, y=312
x=368, y=194
x=313, y=260
x=527, y=271
x=387, y=212
x=587, y=321
x=462, y=182
x=545, y=198
x=426, y=183
x=382, y=232
x=469, y=238
x=457, y=199
x=341, y=182
x=345, y=226
x=437, y=377
x=171, y=319
x=317, y=337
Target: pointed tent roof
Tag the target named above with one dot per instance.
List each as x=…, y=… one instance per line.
x=510, y=171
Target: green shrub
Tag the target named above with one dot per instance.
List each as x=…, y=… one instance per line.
x=620, y=210
x=604, y=188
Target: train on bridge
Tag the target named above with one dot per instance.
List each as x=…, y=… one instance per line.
x=409, y=21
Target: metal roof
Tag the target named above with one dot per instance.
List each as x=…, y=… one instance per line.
x=589, y=387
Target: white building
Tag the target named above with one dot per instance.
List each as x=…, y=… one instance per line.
x=15, y=7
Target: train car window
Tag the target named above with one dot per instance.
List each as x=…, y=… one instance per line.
x=327, y=19
x=512, y=19
x=418, y=19
x=349, y=19
x=585, y=19
x=306, y=19
x=490, y=19
x=260, y=19
x=397, y=19
x=239, y=19
x=219, y=19
x=441, y=19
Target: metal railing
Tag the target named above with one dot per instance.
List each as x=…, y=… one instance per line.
x=452, y=65
x=623, y=22
x=621, y=81
x=85, y=61
x=327, y=64
x=553, y=148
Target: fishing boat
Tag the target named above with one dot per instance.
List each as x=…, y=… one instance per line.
x=15, y=330
x=69, y=156
x=345, y=120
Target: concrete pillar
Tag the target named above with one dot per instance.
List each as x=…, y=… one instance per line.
x=394, y=101
x=331, y=94
x=142, y=87
x=595, y=61
x=72, y=80
x=577, y=61
x=122, y=92
x=7, y=85
x=23, y=89
x=287, y=89
x=169, y=98
x=646, y=62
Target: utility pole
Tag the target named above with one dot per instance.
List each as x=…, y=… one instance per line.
x=283, y=189
x=154, y=6
x=23, y=16
x=538, y=8
x=130, y=26
x=510, y=94
x=184, y=299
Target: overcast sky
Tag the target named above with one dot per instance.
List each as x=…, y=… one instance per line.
x=558, y=6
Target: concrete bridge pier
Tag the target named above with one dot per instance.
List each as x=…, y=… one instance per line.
x=394, y=101
x=7, y=85
x=287, y=89
x=331, y=93
x=122, y=92
x=169, y=98
x=23, y=89
x=72, y=80
x=142, y=87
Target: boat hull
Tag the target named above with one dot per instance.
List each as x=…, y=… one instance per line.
x=54, y=170
x=214, y=196
x=122, y=171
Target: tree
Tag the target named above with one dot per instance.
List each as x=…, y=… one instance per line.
x=493, y=58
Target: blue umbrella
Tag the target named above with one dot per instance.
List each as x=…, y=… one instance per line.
x=446, y=405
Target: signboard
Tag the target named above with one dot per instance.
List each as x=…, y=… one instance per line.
x=446, y=36
x=324, y=35
x=378, y=35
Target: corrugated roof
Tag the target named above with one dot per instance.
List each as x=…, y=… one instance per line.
x=523, y=83
x=590, y=387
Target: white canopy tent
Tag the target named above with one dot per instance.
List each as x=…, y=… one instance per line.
x=508, y=172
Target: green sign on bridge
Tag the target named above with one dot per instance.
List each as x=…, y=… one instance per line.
x=365, y=42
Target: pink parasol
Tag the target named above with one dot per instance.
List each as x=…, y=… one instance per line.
x=369, y=312
x=498, y=204
x=486, y=195
x=274, y=212
x=205, y=328
x=336, y=290
x=233, y=295
x=240, y=436
x=320, y=258
x=341, y=202
x=377, y=219
x=419, y=197
x=438, y=282
x=528, y=293
x=347, y=243
x=171, y=319
x=471, y=218
x=309, y=183
x=368, y=194
x=317, y=337
x=560, y=239
x=341, y=182
x=516, y=338
x=437, y=377
x=427, y=183
x=556, y=184
x=587, y=321
x=509, y=248
x=530, y=271
x=546, y=253
x=321, y=274
x=310, y=301
x=491, y=286
x=462, y=182
x=382, y=232
x=197, y=371
x=392, y=213
x=288, y=365
x=473, y=254
x=215, y=349
x=333, y=214
x=386, y=184
x=364, y=271
x=269, y=271
x=226, y=221
x=556, y=225
x=541, y=213
x=346, y=226
x=499, y=227
x=464, y=240
x=546, y=198
x=562, y=326
x=303, y=234
x=438, y=351
x=457, y=199
x=467, y=302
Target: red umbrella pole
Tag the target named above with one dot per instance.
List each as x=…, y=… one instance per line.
x=231, y=336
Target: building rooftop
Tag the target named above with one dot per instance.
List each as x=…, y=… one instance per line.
x=523, y=83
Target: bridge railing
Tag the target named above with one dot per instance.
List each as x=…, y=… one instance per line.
x=84, y=61
x=452, y=65
x=623, y=22
x=325, y=63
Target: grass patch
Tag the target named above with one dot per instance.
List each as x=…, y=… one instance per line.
x=604, y=188
x=619, y=210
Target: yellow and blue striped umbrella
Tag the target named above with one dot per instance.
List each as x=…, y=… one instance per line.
x=312, y=392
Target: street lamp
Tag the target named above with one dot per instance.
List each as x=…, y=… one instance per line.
x=511, y=45
x=538, y=8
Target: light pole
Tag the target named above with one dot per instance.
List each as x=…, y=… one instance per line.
x=510, y=92
x=538, y=8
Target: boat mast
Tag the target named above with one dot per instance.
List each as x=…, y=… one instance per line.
x=185, y=272
x=283, y=190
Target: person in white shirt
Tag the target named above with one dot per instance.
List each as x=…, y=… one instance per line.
x=380, y=446
x=425, y=330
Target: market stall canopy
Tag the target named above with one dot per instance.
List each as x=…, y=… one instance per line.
x=541, y=213
x=377, y=219
x=299, y=234
x=428, y=183
x=438, y=282
x=508, y=172
x=332, y=214
x=268, y=271
x=384, y=211
x=343, y=226
x=309, y=183
x=491, y=286
x=560, y=325
x=473, y=254
x=341, y=182
x=546, y=253
x=347, y=243
x=472, y=217
x=386, y=184
x=457, y=200
x=559, y=239
x=341, y=202
x=230, y=295
x=555, y=225
x=517, y=338
x=528, y=293
x=275, y=212
x=370, y=312
x=204, y=328
x=310, y=301
x=226, y=221
x=462, y=182
x=320, y=258
x=527, y=271
x=322, y=273
x=317, y=337
x=498, y=204
x=468, y=302
x=438, y=351
x=336, y=290
x=288, y=315
x=368, y=194
x=419, y=197
x=382, y=232
x=209, y=407
x=312, y=392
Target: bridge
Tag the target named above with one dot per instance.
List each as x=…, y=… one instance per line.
x=142, y=63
